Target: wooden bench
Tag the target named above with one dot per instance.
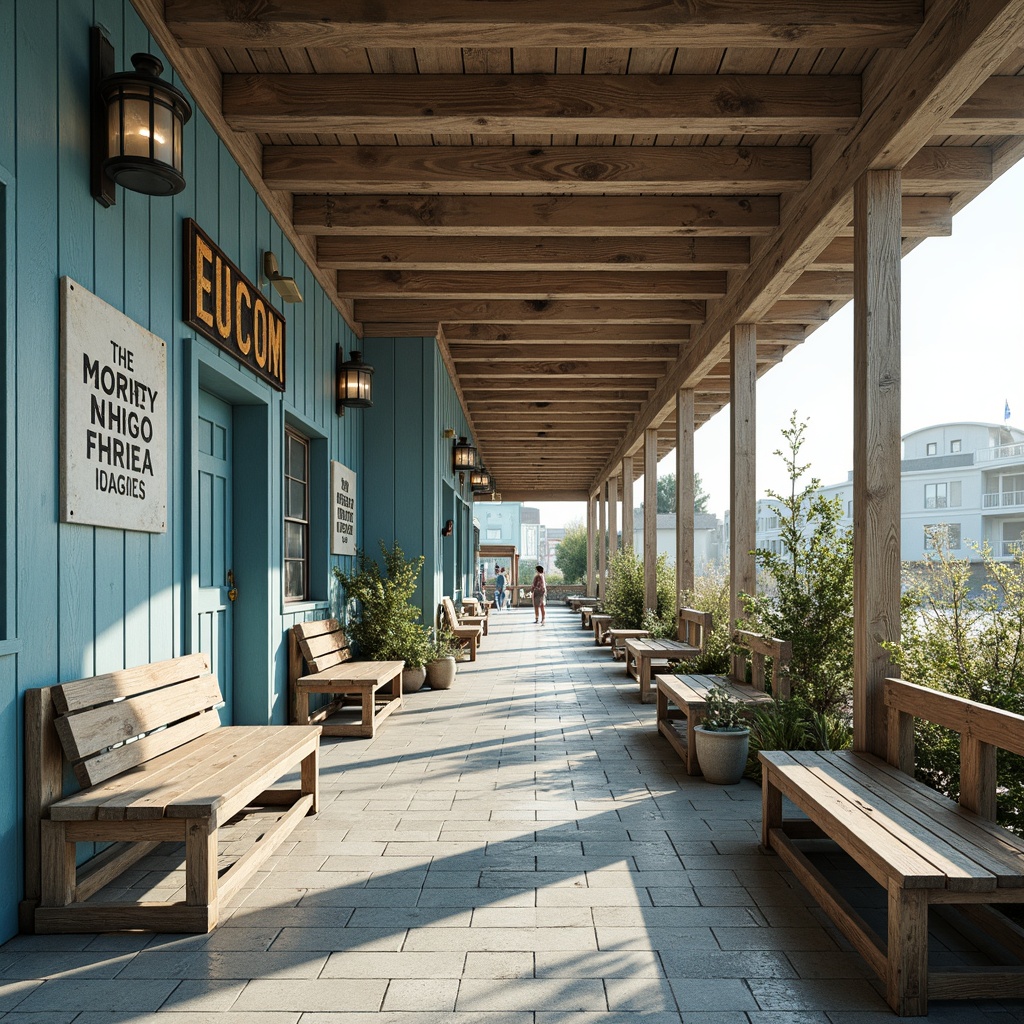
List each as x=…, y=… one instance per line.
x=473, y=606
x=576, y=603
x=683, y=698
x=586, y=611
x=617, y=640
x=922, y=848
x=642, y=652
x=154, y=765
x=468, y=635
x=600, y=625
x=320, y=662
x=468, y=618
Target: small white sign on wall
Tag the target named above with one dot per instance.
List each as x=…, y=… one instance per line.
x=113, y=416
x=343, y=510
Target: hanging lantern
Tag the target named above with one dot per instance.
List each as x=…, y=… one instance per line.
x=480, y=480
x=354, y=382
x=463, y=456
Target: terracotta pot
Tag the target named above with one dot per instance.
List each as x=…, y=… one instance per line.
x=413, y=679
x=441, y=673
x=722, y=754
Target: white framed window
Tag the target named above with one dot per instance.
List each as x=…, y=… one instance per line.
x=938, y=535
x=493, y=534
x=955, y=493
x=296, y=516
x=935, y=496
x=954, y=446
x=932, y=448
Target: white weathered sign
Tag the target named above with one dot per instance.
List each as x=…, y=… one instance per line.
x=343, y=510
x=113, y=416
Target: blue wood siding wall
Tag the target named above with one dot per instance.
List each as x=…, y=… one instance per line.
x=75, y=600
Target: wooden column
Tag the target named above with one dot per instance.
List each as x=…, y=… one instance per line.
x=627, y=502
x=743, y=449
x=602, y=541
x=650, y=518
x=591, y=541
x=876, y=448
x=684, y=491
x=613, y=515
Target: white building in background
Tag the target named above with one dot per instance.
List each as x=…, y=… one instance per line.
x=965, y=477
x=707, y=532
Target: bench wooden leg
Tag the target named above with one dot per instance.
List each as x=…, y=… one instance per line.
x=692, y=721
x=907, y=981
x=368, y=724
x=58, y=866
x=472, y=648
x=310, y=777
x=771, y=809
x=643, y=666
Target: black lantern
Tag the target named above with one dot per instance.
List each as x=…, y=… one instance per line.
x=354, y=382
x=480, y=480
x=139, y=121
x=463, y=456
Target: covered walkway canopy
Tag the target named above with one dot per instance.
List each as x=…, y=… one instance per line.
x=615, y=215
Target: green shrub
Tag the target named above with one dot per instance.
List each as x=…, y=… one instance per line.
x=711, y=594
x=624, y=600
x=782, y=724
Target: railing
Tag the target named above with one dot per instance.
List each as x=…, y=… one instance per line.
x=1003, y=451
x=1010, y=547
x=1003, y=499
x=942, y=502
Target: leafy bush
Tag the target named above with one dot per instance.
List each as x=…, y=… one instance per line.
x=386, y=626
x=624, y=600
x=970, y=644
x=805, y=592
x=571, y=553
x=722, y=713
x=782, y=724
x=711, y=594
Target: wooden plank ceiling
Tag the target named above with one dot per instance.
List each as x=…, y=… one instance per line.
x=581, y=197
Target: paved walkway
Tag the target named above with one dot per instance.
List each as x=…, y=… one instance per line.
x=521, y=849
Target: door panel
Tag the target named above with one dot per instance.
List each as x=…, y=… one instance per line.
x=213, y=609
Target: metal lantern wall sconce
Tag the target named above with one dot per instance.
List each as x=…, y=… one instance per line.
x=480, y=481
x=463, y=458
x=353, y=382
x=138, y=122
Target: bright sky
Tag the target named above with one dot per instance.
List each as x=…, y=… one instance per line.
x=962, y=359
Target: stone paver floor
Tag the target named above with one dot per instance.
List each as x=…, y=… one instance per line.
x=521, y=849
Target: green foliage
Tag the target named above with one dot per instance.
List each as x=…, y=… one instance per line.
x=970, y=644
x=722, y=713
x=571, y=554
x=442, y=645
x=667, y=494
x=805, y=592
x=711, y=594
x=793, y=725
x=624, y=600
x=385, y=627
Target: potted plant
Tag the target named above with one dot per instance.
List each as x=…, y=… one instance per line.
x=722, y=739
x=385, y=626
x=441, y=663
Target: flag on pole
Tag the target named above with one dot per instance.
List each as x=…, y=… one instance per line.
x=1006, y=410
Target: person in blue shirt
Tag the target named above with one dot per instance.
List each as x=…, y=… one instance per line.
x=499, y=589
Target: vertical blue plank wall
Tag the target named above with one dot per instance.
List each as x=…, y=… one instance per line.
x=76, y=600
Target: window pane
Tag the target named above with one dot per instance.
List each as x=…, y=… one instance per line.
x=954, y=494
x=295, y=464
x=294, y=540
x=296, y=501
x=294, y=579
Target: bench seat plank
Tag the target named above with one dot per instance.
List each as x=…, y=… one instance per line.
x=642, y=652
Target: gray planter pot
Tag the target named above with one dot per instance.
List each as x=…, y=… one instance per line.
x=722, y=754
x=413, y=679
x=441, y=673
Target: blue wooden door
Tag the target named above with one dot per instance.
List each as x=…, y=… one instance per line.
x=214, y=593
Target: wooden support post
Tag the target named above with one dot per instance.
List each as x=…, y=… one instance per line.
x=743, y=462
x=613, y=515
x=591, y=541
x=906, y=988
x=876, y=450
x=684, y=492
x=650, y=518
x=627, y=502
x=602, y=542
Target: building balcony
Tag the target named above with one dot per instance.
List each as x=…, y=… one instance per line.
x=1003, y=500
x=1000, y=454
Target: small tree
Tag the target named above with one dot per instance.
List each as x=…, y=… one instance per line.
x=807, y=588
x=571, y=553
x=624, y=599
x=667, y=494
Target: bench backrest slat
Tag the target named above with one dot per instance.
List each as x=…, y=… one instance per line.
x=93, y=731
x=129, y=682
x=449, y=613
x=693, y=627
x=761, y=648
x=322, y=644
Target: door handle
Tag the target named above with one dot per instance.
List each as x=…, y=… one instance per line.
x=233, y=592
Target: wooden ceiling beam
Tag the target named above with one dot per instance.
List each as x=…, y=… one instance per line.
x=499, y=352
x=996, y=108
x=554, y=411
x=524, y=253
x=551, y=388
x=541, y=104
x=581, y=170
x=651, y=216
x=566, y=333
x=822, y=284
x=562, y=369
x=530, y=284
x=545, y=494
x=923, y=217
x=771, y=24
x=621, y=311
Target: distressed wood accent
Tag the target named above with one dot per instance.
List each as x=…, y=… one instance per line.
x=684, y=492
x=543, y=104
x=877, y=449
x=627, y=502
x=650, y=518
x=742, y=472
x=560, y=217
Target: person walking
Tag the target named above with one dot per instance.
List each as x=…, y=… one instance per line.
x=499, y=588
x=539, y=590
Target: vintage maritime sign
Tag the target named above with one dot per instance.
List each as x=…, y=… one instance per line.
x=113, y=416
x=222, y=304
x=343, y=507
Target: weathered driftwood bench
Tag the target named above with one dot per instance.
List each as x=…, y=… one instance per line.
x=466, y=634
x=642, y=652
x=683, y=698
x=154, y=765
x=922, y=848
x=320, y=662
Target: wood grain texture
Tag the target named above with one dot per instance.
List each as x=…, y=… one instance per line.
x=650, y=519
x=742, y=472
x=684, y=491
